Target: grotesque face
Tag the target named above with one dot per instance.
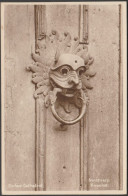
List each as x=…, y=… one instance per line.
x=62, y=66
x=67, y=72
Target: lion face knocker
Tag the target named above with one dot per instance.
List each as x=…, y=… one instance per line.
x=61, y=67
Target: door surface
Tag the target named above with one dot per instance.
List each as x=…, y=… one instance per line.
x=38, y=150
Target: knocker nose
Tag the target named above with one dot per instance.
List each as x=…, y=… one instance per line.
x=74, y=79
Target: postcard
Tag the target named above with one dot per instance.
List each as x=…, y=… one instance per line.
x=63, y=98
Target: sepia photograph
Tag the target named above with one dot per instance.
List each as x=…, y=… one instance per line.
x=63, y=76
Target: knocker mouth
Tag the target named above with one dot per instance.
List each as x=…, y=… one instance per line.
x=69, y=92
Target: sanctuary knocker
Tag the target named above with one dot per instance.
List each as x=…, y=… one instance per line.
x=61, y=69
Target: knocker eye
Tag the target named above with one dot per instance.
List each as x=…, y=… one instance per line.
x=80, y=71
x=64, y=70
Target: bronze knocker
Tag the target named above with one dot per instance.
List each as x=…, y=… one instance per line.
x=62, y=67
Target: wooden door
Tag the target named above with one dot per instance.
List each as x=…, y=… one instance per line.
x=83, y=156
x=86, y=155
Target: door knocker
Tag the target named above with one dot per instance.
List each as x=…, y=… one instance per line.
x=61, y=67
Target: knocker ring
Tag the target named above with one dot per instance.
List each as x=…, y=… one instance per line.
x=69, y=122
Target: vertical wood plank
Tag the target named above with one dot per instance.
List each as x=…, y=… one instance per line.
x=19, y=102
x=62, y=147
x=83, y=34
x=40, y=22
x=85, y=149
x=120, y=101
x=103, y=157
x=83, y=23
x=40, y=144
x=62, y=156
x=40, y=28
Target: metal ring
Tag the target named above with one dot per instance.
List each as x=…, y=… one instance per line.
x=71, y=122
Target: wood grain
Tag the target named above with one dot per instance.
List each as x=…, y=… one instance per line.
x=19, y=102
x=103, y=155
x=40, y=144
x=62, y=147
